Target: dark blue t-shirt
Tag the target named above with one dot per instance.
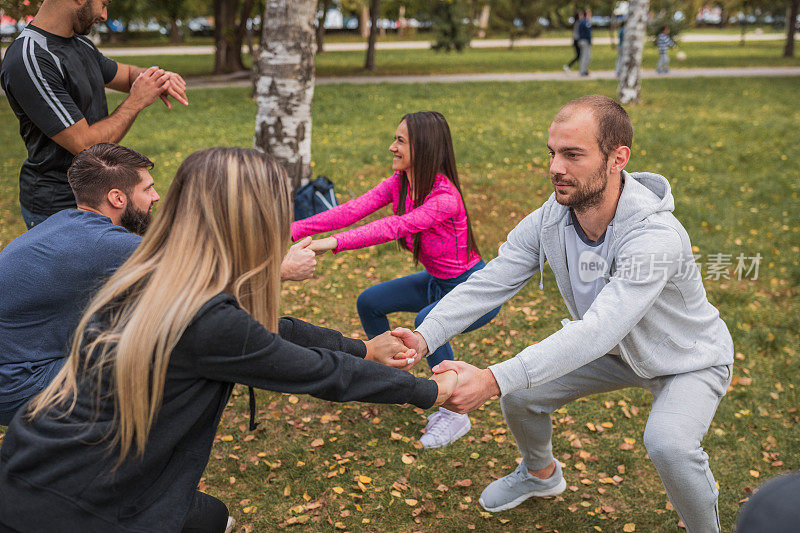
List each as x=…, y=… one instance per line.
x=47, y=276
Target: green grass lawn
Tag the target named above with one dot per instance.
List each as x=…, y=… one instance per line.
x=729, y=149
x=523, y=59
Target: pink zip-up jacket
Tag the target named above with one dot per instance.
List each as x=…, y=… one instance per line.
x=441, y=221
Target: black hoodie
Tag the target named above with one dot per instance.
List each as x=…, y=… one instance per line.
x=56, y=474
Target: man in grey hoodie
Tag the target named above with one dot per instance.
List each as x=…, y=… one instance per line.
x=640, y=316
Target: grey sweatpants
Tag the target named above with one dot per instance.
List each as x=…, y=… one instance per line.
x=683, y=406
x=586, y=55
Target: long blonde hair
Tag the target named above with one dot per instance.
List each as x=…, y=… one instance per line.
x=223, y=227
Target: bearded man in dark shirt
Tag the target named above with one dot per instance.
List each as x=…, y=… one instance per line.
x=55, y=80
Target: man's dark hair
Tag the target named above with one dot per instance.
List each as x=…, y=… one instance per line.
x=102, y=167
x=614, y=127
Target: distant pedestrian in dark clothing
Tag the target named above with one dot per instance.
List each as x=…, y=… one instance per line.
x=575, y=38
x=585, y=42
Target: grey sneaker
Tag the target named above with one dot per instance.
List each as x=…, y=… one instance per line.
x=513, y=489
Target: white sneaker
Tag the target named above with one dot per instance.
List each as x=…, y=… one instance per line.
x=230, y=524
x=566, y=69
x=444, y=427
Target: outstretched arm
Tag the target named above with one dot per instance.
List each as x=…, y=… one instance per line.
x=227, y=344
x=348, y=212
x=517, y=261
x=438, y=207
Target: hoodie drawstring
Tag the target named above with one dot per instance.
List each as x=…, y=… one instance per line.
x=253, y=423
x=541, y=268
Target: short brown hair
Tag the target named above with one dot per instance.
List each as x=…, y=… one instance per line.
x=102, y=167
x=614, y=126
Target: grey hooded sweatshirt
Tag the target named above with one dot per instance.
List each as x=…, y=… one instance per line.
x=653, y=305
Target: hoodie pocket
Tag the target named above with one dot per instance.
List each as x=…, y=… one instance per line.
x=664, y=355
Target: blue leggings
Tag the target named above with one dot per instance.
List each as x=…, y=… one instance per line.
x=418, y=293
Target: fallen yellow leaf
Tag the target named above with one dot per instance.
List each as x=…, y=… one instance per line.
x=293, y=399
x=407, y=459
x=316, y=443
x=630, y=527
x=411, y=501
x=338, y=490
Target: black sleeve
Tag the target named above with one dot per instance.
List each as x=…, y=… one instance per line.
x=310, y=336
x=35, y=81
x=225, y=343
x=108, y=67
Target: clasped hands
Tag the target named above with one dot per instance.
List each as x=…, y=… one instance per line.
x=154, y=83
x=462, y=386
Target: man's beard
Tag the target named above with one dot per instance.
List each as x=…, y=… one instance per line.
x=85, y=19
x=134, y=220
x=589, y=194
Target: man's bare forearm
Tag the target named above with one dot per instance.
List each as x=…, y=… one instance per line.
x=114, y=127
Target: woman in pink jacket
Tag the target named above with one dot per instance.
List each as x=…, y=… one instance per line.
x=431, y=220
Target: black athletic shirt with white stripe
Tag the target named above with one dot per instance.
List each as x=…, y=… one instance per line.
x=52, y=82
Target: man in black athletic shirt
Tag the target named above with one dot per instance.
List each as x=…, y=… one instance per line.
x=55, y=80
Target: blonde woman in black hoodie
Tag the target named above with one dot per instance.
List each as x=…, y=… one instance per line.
x=120, y=439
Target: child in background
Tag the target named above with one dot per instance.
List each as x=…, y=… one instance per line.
x=664, y=42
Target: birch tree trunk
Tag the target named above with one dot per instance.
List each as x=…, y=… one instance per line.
x=284, y=72
x=630, y=76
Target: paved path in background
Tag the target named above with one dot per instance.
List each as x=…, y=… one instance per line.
x=422, y=45
x=243, y=79
x=240, y=81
